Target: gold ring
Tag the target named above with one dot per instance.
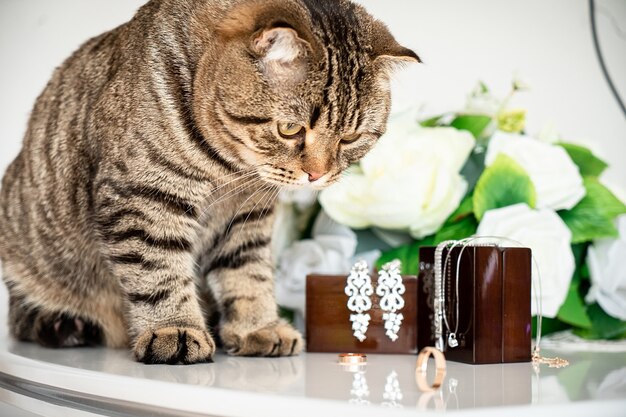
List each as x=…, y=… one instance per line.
x=422, y=365
x=352, y=358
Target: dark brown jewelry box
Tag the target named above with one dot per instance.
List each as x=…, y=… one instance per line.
x=328, y=325
x=494, y=303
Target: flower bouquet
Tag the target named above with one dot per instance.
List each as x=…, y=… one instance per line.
x=465, y=173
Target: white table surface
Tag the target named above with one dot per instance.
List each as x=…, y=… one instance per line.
x=82, y=381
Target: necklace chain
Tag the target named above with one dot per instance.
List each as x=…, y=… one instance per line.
x=450, y=245
x=439, y=303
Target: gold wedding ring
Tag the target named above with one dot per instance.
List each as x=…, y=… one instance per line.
x=422, y=365
x=352, y=358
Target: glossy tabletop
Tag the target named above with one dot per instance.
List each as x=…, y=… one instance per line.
x=312, y=384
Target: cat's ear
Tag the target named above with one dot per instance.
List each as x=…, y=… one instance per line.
x=275, y=33
x=386, y=50
x=282, y=54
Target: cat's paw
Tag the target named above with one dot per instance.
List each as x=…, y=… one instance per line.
x=174, y=345
x=279, y=339
x=63, y=330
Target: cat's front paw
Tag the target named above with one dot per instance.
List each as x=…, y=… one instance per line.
x=278, y=339
x=174, y=345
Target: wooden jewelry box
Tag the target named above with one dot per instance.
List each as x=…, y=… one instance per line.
x=494, y=290
x=328, y=326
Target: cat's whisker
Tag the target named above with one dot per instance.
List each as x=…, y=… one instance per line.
x=249, y=173
x=235, y=176
x=242, y=206
x=268, y=192
x=244, y=176
x=243, y=180
x=272, y=198
x=249, y=180
x=232, y=193
x=265, y=190
x=243, y=170
x=235, y=191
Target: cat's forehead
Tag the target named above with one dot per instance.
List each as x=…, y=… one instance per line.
x=340, y=24
x=335, y=11
x=341, y=29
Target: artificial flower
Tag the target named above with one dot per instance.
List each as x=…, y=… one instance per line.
x=557, y=180
x=512, y=121
x=607, y=267
x=410, y=181
x=481, y=101
x=549, y=238
x=331, y=250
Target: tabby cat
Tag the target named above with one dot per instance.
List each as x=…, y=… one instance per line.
x=139, y=210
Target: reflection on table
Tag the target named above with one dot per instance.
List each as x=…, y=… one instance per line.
x=386, y=380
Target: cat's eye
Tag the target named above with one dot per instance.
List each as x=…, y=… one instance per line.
x=290, y=130
x=346, y=140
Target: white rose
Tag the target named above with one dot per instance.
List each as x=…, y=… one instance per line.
x=607, y=266
x=556, y=178
x=548, y=237
x=330, y=251
x=409, y=181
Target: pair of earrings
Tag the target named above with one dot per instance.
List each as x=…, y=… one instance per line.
x=390, y=289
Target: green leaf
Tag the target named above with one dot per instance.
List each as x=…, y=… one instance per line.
x=593, y=217
x=588, y=223
x=433, y=121
x=585, y=275
x=588, y=164
x=407, y=254
x=465, y=208
x=603, y=326
x=582, y=272
x=460, y=224
x=502, y=184
x=473, y=123
x=605, y=199
x=573, y=310
x=473, y=168
x=463, y=228
x=580, y=253
x=548, y=326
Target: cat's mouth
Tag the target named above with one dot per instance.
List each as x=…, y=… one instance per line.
x=288, y=179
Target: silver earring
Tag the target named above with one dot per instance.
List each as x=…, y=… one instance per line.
x=390, y=289
x=358, y=289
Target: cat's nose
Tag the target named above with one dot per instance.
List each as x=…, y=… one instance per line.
x=314, y=175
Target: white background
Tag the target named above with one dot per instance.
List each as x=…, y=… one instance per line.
x=547, y=43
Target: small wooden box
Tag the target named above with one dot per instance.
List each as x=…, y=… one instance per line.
x=328, y=325
x=493, y=299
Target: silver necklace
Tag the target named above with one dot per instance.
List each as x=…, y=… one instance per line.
x=438, y=299
x=452, y=339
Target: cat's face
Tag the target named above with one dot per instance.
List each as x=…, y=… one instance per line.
x=304, y=92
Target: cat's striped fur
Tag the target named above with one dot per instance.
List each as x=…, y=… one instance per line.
x=139, y=210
